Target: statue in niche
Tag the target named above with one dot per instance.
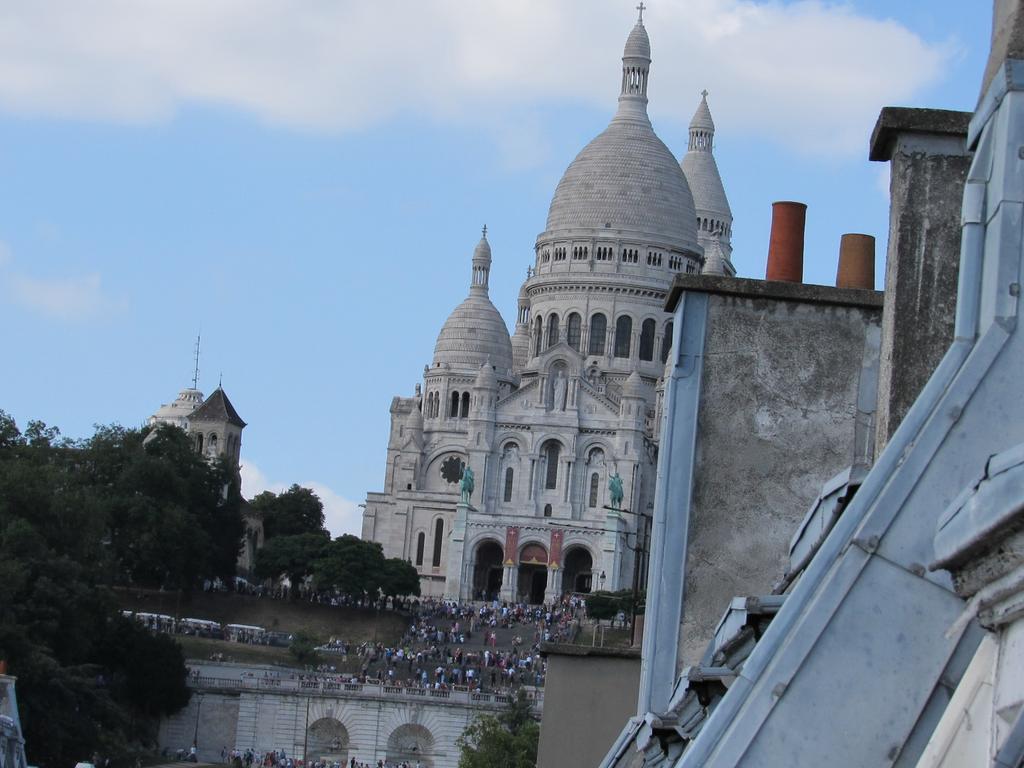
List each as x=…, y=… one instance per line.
x=615, y=489
x=466, y=484
x=559, y=386
x=511, y=454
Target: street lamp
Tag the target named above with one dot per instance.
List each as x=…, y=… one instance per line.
x=195, y=734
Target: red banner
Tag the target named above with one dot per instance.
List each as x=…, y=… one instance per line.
x=511, y=545
x=555, y=559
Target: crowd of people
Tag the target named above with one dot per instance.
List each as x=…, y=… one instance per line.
x=277, y=758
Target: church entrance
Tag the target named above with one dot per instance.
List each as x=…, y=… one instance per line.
x=578, y=573
x=533, y=574
x=487, y=571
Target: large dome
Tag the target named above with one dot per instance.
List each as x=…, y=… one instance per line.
x=475, y=334
x=626, y=179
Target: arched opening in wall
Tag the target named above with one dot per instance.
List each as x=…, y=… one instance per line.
x=438, y=538
x=623, y=332
x=595, y=465
x=578, y=573
x=211, y=444
x=421, y=543
x=454, y=412
x=547, y=510
x=551, y=451
x=666, y=342
x=533, y=573
x=552, y=329
x=410, y=743
x=574, y=329
x=327, y=739
x=464, y=412
x=538, y=336
x=595, y=486
x=509, y=477
x=199, y=442
x=646, y=351
x=487, y=571
x=598, y=331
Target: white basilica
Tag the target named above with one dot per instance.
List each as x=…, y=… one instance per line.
x=544, y=417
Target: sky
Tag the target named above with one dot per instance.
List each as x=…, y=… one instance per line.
x=303, y=183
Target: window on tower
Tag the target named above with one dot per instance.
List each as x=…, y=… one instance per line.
x=598, y=331
x=552, y=329
x=573, y=331
x=666, y=342
x=551, y=454
x=509, y=475
x=464, y=412
x=595, y=480
x=623, y=332
x=454, y=412
x=647, y=340
x=421, y=541
x=438, y=538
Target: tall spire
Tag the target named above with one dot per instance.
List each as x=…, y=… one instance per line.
x=636, y=66
x=481, y=265
x=195, y=370
x=702, y=127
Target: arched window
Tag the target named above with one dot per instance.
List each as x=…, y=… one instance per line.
x=552, y=329
x=647, y=340
x=508, y=484
x=421, y=541
x=538, y=336
x=465, y=405
x=595, y=480
x=211, y=442
x=547, y=510
x=438, y=535
x=598, y=330
x=623, y=331
x=551, y=452
x=666, y=342
x=199, y=442
x=573, y=331
x=454, y=413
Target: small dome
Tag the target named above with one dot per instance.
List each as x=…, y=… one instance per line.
x=633, y=386
x=638, y=44
x=485, y=378
x=483, y=249
x=702, y=117
x=177, y=413
x=474, y=334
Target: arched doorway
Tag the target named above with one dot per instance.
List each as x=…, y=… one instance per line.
x=487, y=571
x=533, y=573
x=411, y=743
x=327, y=739
x=578, y=573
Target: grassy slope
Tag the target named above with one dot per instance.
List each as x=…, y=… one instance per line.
x=323, y=622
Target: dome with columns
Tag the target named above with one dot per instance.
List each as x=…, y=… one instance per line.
x=474, y=333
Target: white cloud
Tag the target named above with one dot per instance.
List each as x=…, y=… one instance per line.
x=71, y=299
x=340, y=514
x=810, y=74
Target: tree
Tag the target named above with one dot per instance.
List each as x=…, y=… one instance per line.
x=399, y=578
x=352, y=566
x=507, y=740
x=293, y=556
x=297, y=510
x=303, y=649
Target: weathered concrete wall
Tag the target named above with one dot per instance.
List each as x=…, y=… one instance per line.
x=928, y=169
x=778, y=417
x=591, y=692
x=211, y=719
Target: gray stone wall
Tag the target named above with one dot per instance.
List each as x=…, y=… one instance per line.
x=210, y=719
x=928, y=170
x=778, y=417
x=590, y=693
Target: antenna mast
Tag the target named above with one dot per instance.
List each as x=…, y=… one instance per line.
x=195, y=374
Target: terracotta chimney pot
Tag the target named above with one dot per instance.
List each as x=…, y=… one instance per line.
x=786, y=244
x=856, y=262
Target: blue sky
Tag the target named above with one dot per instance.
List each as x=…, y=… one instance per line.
x=303, y=183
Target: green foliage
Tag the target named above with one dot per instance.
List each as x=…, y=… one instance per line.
x=292, y=556
x=76, y=516
x=399, y=578
x=507, y=740
x=606, y=605
x=351, y=565
x=303, y=649
x=296, y=511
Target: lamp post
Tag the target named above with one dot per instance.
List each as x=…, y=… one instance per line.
x=195, y=733
x=639, y=552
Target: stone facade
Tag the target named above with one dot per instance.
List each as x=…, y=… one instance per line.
x=545, y=418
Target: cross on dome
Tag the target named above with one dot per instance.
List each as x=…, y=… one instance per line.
x=704, y=94
x=641, y=8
